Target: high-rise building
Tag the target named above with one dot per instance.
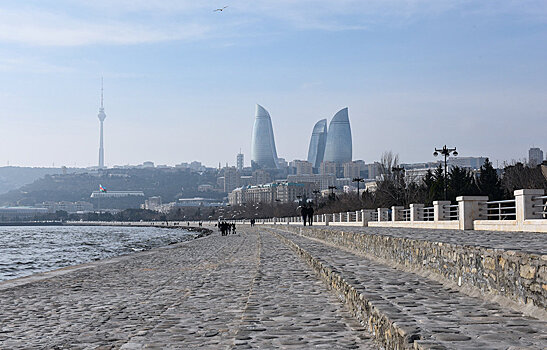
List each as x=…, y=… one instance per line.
x=338, y=148
x=535, y=156
x=261, y=177
x=466, y=162
x=240, y=161
x=318, y=141
x=301, y=167
x=263, y=152
x=352, y=170
x=231, y=179
x=374, y=170
x=327, y=168
x=102, y=117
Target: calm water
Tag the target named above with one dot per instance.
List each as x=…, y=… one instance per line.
x=27, y=250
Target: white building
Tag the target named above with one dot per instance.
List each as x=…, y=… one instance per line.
x=69, y=207
x=116, y=194
x=322, y=182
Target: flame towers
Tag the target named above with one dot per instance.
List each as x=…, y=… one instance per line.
x=102, y=117
x=318, y=142
x=339, y=144
x=263, y=152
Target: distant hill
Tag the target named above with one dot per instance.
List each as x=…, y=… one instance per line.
x=12, y=177
x=170, y=184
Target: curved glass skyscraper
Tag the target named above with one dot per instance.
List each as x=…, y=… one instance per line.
x=263, y=152
x=339, y=145
x=318, y=141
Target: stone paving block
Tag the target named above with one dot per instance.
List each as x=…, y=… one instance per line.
x=235, y=292
x=434, y=316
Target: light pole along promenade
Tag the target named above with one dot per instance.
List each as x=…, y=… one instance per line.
x=445, y=151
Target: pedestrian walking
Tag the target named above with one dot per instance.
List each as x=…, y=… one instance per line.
x=310, y=215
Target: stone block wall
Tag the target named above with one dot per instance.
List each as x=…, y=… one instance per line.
x=519, y=276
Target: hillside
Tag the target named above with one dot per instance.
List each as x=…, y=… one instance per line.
x=170, y=184
x=12, y=177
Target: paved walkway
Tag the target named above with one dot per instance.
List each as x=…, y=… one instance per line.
x=246, y=291
x=528, y=242
x=427, y=308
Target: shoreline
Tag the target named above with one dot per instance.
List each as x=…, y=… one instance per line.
x=200, y=232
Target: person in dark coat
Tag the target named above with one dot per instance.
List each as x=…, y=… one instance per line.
x=310, y=215
x=304, y=213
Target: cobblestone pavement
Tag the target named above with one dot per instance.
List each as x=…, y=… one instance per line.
x=242, y=291
x=528, y=242
x=427, y=308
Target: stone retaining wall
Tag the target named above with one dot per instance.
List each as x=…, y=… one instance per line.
x=519, y=276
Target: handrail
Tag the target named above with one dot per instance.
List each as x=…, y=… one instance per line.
x=502, y=210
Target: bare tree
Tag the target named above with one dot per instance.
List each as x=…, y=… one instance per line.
x=388, y=160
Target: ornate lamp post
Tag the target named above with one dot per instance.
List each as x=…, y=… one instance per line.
x=358, y=180
x=445, y=151
x=316, y=193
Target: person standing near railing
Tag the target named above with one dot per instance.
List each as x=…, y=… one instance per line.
x=310, y=215
x=304, y=213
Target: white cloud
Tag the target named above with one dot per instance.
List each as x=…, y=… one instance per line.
x=127, y=22
x=35, y=27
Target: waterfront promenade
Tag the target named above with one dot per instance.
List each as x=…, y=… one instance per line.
x=263, y=288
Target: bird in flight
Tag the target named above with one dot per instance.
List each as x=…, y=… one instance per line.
x=220, y=9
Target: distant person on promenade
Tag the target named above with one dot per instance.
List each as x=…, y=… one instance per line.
x=310, y=215
x=304, y=213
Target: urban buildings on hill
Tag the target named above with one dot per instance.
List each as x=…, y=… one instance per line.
x=283, y=192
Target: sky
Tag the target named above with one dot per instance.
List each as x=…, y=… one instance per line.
x=181, y=81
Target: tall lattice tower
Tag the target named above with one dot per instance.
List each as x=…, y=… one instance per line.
x=102, y=117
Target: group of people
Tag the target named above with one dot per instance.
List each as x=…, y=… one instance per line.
x=226, y=228
x=307, y=214
x=253, y=221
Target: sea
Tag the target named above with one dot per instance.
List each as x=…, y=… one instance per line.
x=26, y=250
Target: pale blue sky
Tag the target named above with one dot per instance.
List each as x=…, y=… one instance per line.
x=181, y=81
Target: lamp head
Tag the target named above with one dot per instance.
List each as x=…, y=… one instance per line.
x=435, y=153
x=455, y=153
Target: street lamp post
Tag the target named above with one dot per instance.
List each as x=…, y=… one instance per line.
x=316, y=193
x=445, y=151
x=358, y=180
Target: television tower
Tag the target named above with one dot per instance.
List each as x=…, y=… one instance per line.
x=102, y=117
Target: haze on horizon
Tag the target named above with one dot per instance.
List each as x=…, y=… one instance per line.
x=182, y=81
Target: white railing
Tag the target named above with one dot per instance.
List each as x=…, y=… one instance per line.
x=500, y=210
x=452, y=212
x=541, y=207
x=427, y=213
x=527, y=212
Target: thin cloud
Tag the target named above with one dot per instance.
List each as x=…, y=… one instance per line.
x=130, y=22
x=52, y=29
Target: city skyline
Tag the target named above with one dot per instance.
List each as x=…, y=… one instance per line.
x=415, y=74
